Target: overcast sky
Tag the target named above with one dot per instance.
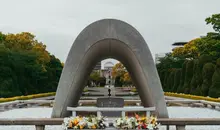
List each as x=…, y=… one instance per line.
x=58, y=22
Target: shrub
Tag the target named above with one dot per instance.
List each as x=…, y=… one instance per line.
x=188, y=76
x=202, y=61
x=162, y=76
x=177, y=77
x=165, y=81
x=193, y=83
x=170, y=80
x=182, y=78
x=207, y=73
x=214, y=90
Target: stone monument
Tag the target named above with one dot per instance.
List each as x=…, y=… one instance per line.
x=109, y=38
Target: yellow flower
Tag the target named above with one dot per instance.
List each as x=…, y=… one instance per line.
x=75, y=122
x=93, y=127
x=81, y=126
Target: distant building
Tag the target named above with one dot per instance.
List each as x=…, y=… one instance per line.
x=179, y=43
x=107, y=68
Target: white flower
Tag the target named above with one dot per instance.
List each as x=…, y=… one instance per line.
x=106, y=124
x=90, y=124
x=94, y=120
x=150, y=127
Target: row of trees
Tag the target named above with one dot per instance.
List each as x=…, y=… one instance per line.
x=26, y=67
x=195, y=67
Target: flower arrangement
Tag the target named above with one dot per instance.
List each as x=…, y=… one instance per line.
x=137, y=123
x=79, y=122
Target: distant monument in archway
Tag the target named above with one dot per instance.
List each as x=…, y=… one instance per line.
x=109, y=38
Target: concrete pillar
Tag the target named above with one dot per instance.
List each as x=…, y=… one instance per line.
x=180, y=127
x=205, y=105
x=40, y=127
x=213, y=107
x=167, y=127
x=29, y=105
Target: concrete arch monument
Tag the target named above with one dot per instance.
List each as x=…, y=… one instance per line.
x=109, y=38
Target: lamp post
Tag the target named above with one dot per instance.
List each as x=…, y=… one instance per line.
x=109, y=90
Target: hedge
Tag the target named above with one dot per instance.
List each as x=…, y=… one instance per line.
x=27, y=97
x=214, y=90
x=31, y=96
x=181, y=95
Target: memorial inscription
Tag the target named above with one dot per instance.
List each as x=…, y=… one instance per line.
x=110, y=102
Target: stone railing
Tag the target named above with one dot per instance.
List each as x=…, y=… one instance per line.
x=180, y=123
x=148, y=110
x=27, y=103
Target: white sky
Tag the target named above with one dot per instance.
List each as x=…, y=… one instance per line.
x=58, y=22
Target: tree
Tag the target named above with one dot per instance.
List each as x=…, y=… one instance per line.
x=209, y=45
x=127, y=78
x=121, y=75
x=214, y=90
x=118, y=70
x=26, y=66
x=169, y=62
x=95, y=76
x=214, y=20
x=189, y=50
x=26, y=41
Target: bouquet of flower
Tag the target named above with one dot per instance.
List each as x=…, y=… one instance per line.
x=137, y=123
x=79, y=122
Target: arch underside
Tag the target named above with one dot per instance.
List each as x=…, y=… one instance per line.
x=109, y=39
